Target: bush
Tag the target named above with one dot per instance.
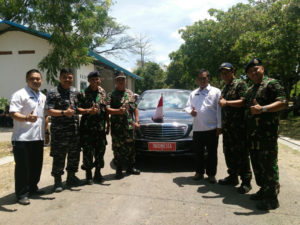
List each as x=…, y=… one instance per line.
x=3, y=102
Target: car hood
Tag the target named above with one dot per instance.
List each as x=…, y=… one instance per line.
x=170, y=116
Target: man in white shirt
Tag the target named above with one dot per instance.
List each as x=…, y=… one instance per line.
x=203, y=106
x=27, y=110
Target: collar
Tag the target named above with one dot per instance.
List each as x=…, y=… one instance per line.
x=32, y=93
x=231, y=83
x=264, y=80
x=206, y=89
x=61, y=89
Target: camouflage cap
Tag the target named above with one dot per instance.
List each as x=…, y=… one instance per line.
x=120, y=74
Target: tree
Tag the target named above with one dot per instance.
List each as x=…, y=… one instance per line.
x=153, y=77
x=268, y=29
x=142, y=48
x=76, y=26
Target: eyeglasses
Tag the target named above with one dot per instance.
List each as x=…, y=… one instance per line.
x=202, y=78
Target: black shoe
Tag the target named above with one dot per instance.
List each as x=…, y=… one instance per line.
x=198, y=176
x=119, y=173
x=58, y=187
x=244, y=188
x=133, y=171
x=89, y=178
x=212, y=179
x=98, y=178
x=73, y=181
x=230, y=180
x=267, y=204
x=24, y=200
x=258, y=195
x=36, y=192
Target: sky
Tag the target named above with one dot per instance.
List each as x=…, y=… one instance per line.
x=160, y=21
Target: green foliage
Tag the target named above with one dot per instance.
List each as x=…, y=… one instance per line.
x=3, y=102
x=76, y=26
x=153, y=77
x=268, y=29
x=290, y=127
x=295, y=90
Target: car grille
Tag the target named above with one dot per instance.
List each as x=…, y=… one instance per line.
x=164, y=131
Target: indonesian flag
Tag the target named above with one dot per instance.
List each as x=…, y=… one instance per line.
x=159, y=114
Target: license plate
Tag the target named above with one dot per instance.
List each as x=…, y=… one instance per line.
x=162, y=146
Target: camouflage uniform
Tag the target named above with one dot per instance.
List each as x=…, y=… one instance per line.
x=262, y=134
x=234, y=136
x=92, y=128
x=122, y=127
x=64, y=131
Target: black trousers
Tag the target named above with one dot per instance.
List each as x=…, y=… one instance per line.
x=28, y=166
x=206, y=154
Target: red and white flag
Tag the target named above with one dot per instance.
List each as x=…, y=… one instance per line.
x=159, y=113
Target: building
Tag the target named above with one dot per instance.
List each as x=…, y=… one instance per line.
x=22, y=48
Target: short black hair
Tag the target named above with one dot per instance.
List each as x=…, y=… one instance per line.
x=203, y=71
x=32, y=71
x=66, y=71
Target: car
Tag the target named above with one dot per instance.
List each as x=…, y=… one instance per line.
x=173, y=134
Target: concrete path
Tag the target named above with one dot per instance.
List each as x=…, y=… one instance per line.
x=163, y=194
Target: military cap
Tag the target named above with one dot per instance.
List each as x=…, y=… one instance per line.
x=94, y=74
x=253, y=62
x=226, y=66
x=120, y=74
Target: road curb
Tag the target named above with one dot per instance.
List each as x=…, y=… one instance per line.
x=294, y=144
x=6, y=159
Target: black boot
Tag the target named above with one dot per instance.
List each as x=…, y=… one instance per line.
x=268, y=203
x=244, y=188
x=98, y=178
x=230, y=180
x=119, y=173
x=132, y=170
x=72, y=180
x=89, y=178
x=258, y=195
x=58, y=187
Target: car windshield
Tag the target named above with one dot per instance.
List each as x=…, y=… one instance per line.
x=171, y=100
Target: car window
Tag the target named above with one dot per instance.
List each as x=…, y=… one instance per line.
x=171, y=100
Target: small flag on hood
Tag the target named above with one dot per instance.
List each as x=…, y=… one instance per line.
x=159, y=114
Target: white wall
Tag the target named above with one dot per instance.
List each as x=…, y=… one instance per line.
x=14, y=67
x=81, y=75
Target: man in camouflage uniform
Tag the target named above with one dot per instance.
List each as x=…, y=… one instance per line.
x=233, y=129
x=122, y=106
x=92, y=103
x=62, y=106
x=263, y=100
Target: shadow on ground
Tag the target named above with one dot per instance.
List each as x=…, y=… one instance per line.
x=164, y=164
x=10, y=200
x=227, y=193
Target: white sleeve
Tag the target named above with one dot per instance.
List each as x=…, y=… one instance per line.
x=15, y=103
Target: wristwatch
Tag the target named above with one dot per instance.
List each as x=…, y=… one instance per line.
x=264, y=109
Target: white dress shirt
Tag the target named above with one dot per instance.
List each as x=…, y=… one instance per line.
x=205, y=102
x=25, y=101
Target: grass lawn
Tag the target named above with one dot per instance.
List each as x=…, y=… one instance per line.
x=290, y=127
